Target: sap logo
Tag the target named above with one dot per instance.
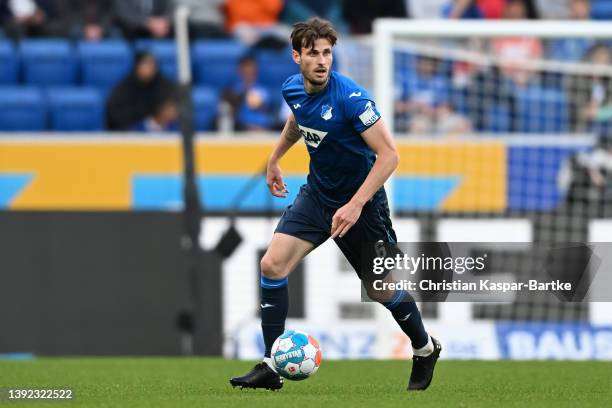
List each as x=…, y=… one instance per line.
x=312, y=137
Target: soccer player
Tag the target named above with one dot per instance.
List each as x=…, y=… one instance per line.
x=352, y=154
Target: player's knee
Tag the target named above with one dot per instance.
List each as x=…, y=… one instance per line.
x=272, y=268
x=380, y=296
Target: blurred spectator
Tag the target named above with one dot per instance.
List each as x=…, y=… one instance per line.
x=456, y=9
x=586, y=178
x=492, y=9
x=301, y=10
x=143, y=18
x=142, y=100
x=31, y=18
x=251, y=103
x=519, y=10
x=206, y=17
x=463, y=9
x=592, y=95
x=424, y=102
x=553, y=9
x=250, y=20
x=490, y=101
x=360, y=17
x=426, y=9
x=515, y=54
x=164, y=119
x=579, y=9
x=86, y=19
x=573, y=49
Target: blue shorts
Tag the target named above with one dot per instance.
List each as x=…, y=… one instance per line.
x=307, y=218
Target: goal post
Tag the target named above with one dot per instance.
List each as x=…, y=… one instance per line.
x=528, y=142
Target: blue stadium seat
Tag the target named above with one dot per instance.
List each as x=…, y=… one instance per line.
x=205, y=107
x=497, y=118
x=9, y=63
x=75, y=109
x=542, y=110
x=216, y=62
x=275, y=67
x=104, y=63
x=165, y=53
x=601, y=9
x=48, y=62
x=22, y=109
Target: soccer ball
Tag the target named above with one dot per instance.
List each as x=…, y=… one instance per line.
x=296, y=355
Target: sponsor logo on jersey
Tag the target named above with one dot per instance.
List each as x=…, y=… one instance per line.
x=312, y=137
x=355, y=94
x=296, y=106
x=369, y=116
x=326, y=112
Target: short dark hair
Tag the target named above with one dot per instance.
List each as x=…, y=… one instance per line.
x=305, y=33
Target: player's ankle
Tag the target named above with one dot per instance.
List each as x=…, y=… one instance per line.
x=426, y=350
x=268, y=362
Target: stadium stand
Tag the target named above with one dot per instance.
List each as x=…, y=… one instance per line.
x=22, y=109
x=48, y=62
x=205, y=106
x=104, y=63
x=215, y=62
x=96, y=66
x=75, y=109
x=278, y=64
x=542, y=110
x=9, y=63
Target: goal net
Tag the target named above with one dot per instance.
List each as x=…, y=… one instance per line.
x=504, y=131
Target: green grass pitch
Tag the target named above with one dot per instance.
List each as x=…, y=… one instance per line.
x=203, y=382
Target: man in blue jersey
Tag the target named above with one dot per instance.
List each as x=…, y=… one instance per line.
x=351, y=156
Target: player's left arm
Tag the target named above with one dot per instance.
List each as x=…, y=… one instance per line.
x=379, y=139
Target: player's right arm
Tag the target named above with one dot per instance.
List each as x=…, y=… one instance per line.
x=274, y=175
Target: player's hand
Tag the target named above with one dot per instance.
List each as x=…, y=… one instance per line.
x=345, y=218
x=274, y=180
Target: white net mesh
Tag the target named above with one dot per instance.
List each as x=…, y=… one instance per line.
x=499, y=128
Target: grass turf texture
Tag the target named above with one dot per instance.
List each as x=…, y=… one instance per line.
x=203, y=382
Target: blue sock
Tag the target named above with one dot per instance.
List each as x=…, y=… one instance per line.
x=274, y=307
x=406, y=313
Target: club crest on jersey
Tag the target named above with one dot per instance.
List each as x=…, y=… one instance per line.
x=326, y=112
x=312, y=137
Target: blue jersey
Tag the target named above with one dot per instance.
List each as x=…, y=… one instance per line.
x=331, y=122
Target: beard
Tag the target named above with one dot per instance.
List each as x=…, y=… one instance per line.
x=316, y=81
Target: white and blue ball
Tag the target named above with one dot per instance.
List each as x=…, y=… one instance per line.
x=296, y=355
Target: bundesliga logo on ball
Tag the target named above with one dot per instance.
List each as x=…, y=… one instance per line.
x=296, y=355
